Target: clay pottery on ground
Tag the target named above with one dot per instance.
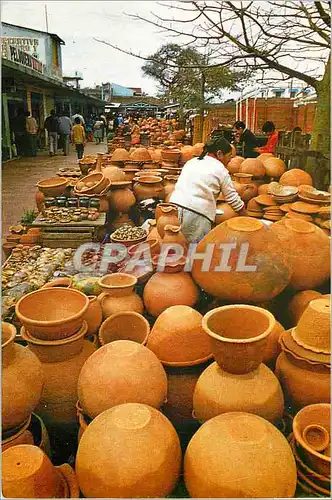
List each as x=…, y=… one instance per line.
x=120, y=154
x=313, y=329
x=124, y=326
x=308, y=250
x=317, y=414
x=114, y=174
x=238, y=335
x=61, y=361
x=138, y=444
x=52, y=313
x=22, y=380
x=166, y=215
x=263, y=189
x=275, y=167
x=243, y=177
x=59, y=283
x=153, y=231
x=55, y=186
x=93, y=315
x=121, y=199
x=299, y=303
x=236, y=442
x=234, y=165
x=171, y=155
x=256, y=246
x=169, y=184
x=118, y=294
x=252, y=166
x=33, y=431
x=149, y=187
x=174, y=236
x=99, y=179
x=120, y=372
x=295, y=177
x=273, y=348
x=40, y=199
x=228, y=213
x=148, y=248
x=7, y=248
x=178, y=339
x=257, y=392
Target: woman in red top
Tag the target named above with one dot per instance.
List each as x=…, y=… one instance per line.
x=272, y=141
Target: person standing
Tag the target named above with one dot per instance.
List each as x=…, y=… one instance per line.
x=52, y=126
x=78, y=115
x=78, y=137
x=103, y=127
x=272, y=139
x=245, y=137
x=31, y=129
x=65, y=127
x=20, y=132
x=97, y=128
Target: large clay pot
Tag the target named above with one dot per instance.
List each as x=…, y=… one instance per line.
x=238, y=464
x=62, y=361
x=252, y=166
x=121, y=199
x=124, y=326
x=120, y=372
x=229, y=213
x=166, y=215
x=275, y=167
x=174, y=236
x=22, y=380
x=138, y=444
x=118, y=294
x=93, y=316
x=241, y=284
x=186, y=154
x=238, y=334
x=149, y=187
x=234, y=165
x=178, y=339
x=257, y=392
x=114, y=174
x=299, y=303
x=295, y=177
x=308, y=250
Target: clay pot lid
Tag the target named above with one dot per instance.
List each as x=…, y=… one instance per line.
x=304, y=208
x=316, y=194
x=243, y=175
x=53, y=343
x=265, y=199
x=120, y=154
x=289, y=345
x=140, y=154
x=246, y=224
x=313, y=329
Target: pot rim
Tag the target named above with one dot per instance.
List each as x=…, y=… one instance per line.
x=132, y=279
x=61, y=182
x=12, y=334
x=18, y=431
x=54, y=323
x=67, y=340
x=228, y=340
x=124, y=313
x=187, y=363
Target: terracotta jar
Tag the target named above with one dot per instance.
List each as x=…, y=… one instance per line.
x=257, y=392
x=22, y=380
x=138, y=444
x=120, y=372
x=239, y=336
x=234, y=165
x=308, y=250
x=256, y=246
x=130, y=173
x=168, y=216
x=295, y=177
x=169, y=288
x=121, y=199
x=124, y=326
x=299, y=303
x=252, y=166
x=160, y=209
x=118, y=294
x=93, y=315
x=178, y=339
x=153, y=231
x=149, y=187
x=313, y=329
x=229, y=213
x=62, y=361
x=275, y=167
x=239, y=465
x=174, y=236
x=114, y=174
x=273, y=348
x=169, y=184
x=151, y=247
x=186, y=154
x=40, y=199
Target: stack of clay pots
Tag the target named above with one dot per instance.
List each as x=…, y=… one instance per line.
x=311, y=445
x=303, y=367
x=53, y=325
x=170, y=160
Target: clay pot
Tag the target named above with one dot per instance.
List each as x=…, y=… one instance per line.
x=55, y=186
x=118, y=294
x=275, y=167
x=249, y=192
x=239, y=336
x=114, y=174
x=229, y=213
x=177, y=337
x=308, y=250
x=186, y=154
x=303, y=383
x=295, y=177
x=149, y=187
x=120, y=154
x=317, y=415
x=121, y=200
x=198, y=148
x=234, y=165
x=174, y=236
x=62, y=361
x=59, y=283
x=236, y=442
x=168, y=216
x=252, y=166
x=151, y=246
x=313, y=329
x=52, y=313
x=124, y=326
x=100, y=180
x=316, y=437
x=273, y=348
x=140, y=154
x=153, y=231
x=171, y=155
x=257, y=392
x=299, y=303
x=130, y=173
x=7, y=249
x=264, y=251
x=265, y=156
x=40, y=199
x=139, y=437
x=169, y=184
x=93, y=315
x=22, y=380
x=120, y=372
x=263, y=189
x=33, y=431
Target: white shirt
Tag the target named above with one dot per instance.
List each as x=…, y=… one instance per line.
x=199, y=185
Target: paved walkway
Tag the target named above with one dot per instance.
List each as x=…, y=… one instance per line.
x=19, y=179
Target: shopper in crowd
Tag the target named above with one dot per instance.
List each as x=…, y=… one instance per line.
x=200, y=183
x=52, y=126
x=65, y=127
x=78, y=115
x=103, y=127
x=78, y=137
x=20, y=132
x=97, y=130
x=246, y=138
x=89, y=128
x=272, y=139
x=126, y=127
x=31, y=129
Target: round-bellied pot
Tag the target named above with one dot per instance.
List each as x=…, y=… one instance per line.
x=93, y=315
x=124, y=326
x=62, y=361
x=257, y=268
x=121, y=199
x=273, y=348
x=257, y=392
x=118, y=294
x=238, y=464
x=234, y=165
x=295, y=177
x=149, y=187
x=275, y=167
x=238, y=334
x=52, y=313
x=119, y=372
x=22, y=380
x=252, y=166
x=139, y=437
x=299, y=303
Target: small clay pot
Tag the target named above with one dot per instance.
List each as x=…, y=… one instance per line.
x=124, y=326
x=118, y=294
x=93, y=315
x=316, y=436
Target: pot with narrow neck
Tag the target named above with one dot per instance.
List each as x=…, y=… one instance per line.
x=118, y=294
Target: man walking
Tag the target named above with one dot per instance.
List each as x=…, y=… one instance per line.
x=65, y=127
x=31, y=129
x=78, y=138
x=52, y=126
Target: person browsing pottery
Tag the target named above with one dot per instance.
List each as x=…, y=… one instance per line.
x=201, y=181
x=272, y=139
x=246, y=138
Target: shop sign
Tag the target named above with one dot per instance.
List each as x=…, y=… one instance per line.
x=28, y=45
x=20, y=57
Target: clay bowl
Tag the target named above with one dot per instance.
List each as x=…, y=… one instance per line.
x=283, y=191
x=117, y=281
x=99, y=179
x=129, y=243
x=265, y=200
x=315, y=194
x=304, y=208
x=52, y=313
x=55, y=186
x=242, y=177
x=318, y=414
x=323, y=481
x=316, y=436
x=124, y=326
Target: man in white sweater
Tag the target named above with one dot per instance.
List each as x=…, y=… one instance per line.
x=201, y=181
